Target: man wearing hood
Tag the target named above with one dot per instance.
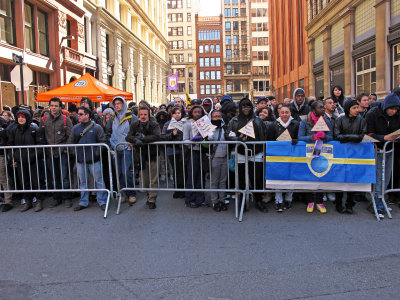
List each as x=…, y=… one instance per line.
x=207, y=105
x=381, y=121
x=256, y=160
x=349, y=128
x=26, y=134
x=299, y=108
x=116, y=131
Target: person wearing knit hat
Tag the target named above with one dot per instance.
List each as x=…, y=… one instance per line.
x=382, y=120
x=350, y=127
x=261, y=102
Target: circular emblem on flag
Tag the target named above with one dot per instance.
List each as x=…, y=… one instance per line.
x=319, y=165
x=80, y=83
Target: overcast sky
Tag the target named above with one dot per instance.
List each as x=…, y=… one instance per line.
x=210, y=7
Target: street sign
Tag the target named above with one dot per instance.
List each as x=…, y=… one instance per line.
x=16, y=77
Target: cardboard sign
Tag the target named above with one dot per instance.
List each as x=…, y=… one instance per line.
x=248, y=130
x=204, y=126
x=397, y=132
x=369, y=139
x=320, y=125
x=285, y=136
x=174, y=124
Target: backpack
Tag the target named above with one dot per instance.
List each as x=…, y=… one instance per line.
x=64, y=118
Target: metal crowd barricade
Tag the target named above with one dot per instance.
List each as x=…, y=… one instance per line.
x=388, y=154
x=190, y=163
x=251, y=146
x=32, y=169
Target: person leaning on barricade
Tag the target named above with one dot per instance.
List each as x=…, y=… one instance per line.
x=4, y=179
x=25, y=160
x=116, y=131
x=175, y=152
x=143, y=132
x=307, y=134
x=382, y=120
x=194, y=159
x=219, y=162
x=88, y=157
x=57, y=128
x=349, y=128
x=255, y=156
x=276, y=129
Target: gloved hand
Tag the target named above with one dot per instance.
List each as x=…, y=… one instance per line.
x=138, y=142
x=197, y=138
x=139, y=135
x=294, y=142
x=320, y=135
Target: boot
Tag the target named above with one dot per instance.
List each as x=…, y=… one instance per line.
x=38, y=206
x=27, y=206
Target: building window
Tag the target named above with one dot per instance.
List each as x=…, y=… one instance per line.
x=235, y=39
x=227, y=26
x=218, y=73
x=235, y=12
x=396, y=65
x=181, y=87
x=189, y=3
x=174, y=4
x=261, y=86
x=190, y=57
x=212, y=62
x=213, y=89
x=207, y=75
x=218, y=61
x=189, y=17
x=201, y=49
x=201, y=62
x=189, y=44
x=234, y=1
x=236, y=69
x=29, y=27
x=201, y=75
x=219, y=91
x=228, y=86
x=366, y=74
x=235, y=25
x=207, y=62
x=190, y=71
x=189, y=30
x=7, y=17
x=212, y=75
x=228, y=40
x=208, y=89
x=202, y=89
x=228, y=69
x=206, y=49
x=227, y=12
x=228, y=53
x=217, y=48
x=236, y=86
x=227, y=1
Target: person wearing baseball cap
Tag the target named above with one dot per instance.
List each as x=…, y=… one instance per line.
x=208, y=105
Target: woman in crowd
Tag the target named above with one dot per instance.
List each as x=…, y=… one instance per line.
x=8, y=117
x=277, y=108
x=256, y=153
x=337, y=94
x=283, y=123
x=108, y=114
x=306, y=134
x=265, y=114
x=193, y=158
x=349, y=128
x=26, y=134
x=174, y=152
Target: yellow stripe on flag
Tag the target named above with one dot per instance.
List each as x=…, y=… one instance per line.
x=343, y=161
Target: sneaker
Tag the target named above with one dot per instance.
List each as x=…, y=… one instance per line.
x=192, y=205
x=279, y=207
x=310, y=207
x=27, y=206
x=151, y=205
x=321, y=208
x=38, y=205
x=380, y=214
x=339, y=208
x=132, y=200
x=287, y=205
x=217, y=206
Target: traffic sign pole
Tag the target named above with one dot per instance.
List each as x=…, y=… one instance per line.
x=21, y=72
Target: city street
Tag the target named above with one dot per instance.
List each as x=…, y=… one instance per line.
x=175, y=252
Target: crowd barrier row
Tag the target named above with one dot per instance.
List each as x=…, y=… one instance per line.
x=187, y=168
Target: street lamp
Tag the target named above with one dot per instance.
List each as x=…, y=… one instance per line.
x=68, y=38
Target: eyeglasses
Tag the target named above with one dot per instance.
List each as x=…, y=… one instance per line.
x=81, y=114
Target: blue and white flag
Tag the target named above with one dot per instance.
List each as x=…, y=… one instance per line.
x=339, y=166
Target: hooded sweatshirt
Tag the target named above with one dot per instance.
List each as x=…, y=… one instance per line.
x=296, y=110
x=350, y=129
x=119, y=125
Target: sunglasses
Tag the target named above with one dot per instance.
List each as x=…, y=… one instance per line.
x=81, y=114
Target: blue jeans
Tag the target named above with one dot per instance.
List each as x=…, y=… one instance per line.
x=125, y=171
x=59, y=168
x=379, y=174
x=95, y=170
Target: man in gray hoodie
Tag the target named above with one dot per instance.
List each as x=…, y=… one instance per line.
x=117, y=129
x=299, y=108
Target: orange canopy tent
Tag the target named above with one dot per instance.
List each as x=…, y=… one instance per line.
x=87, y=86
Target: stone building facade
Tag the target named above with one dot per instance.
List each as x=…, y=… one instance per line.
x=355, y=44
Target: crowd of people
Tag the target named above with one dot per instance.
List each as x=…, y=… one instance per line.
x=128, y=129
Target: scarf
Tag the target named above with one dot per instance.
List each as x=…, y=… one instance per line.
x=315, y=120
x=285, y=124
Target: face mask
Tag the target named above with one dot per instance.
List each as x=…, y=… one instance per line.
x=216, y=123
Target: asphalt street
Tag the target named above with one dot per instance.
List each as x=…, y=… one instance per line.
x=175, y=252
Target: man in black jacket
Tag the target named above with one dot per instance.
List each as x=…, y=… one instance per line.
x=299, y=108
x=4, y=180
x=382, y=120
x=142, y=132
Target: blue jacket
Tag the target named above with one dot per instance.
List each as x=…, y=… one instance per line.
x=95, y=135
x=305, y=133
